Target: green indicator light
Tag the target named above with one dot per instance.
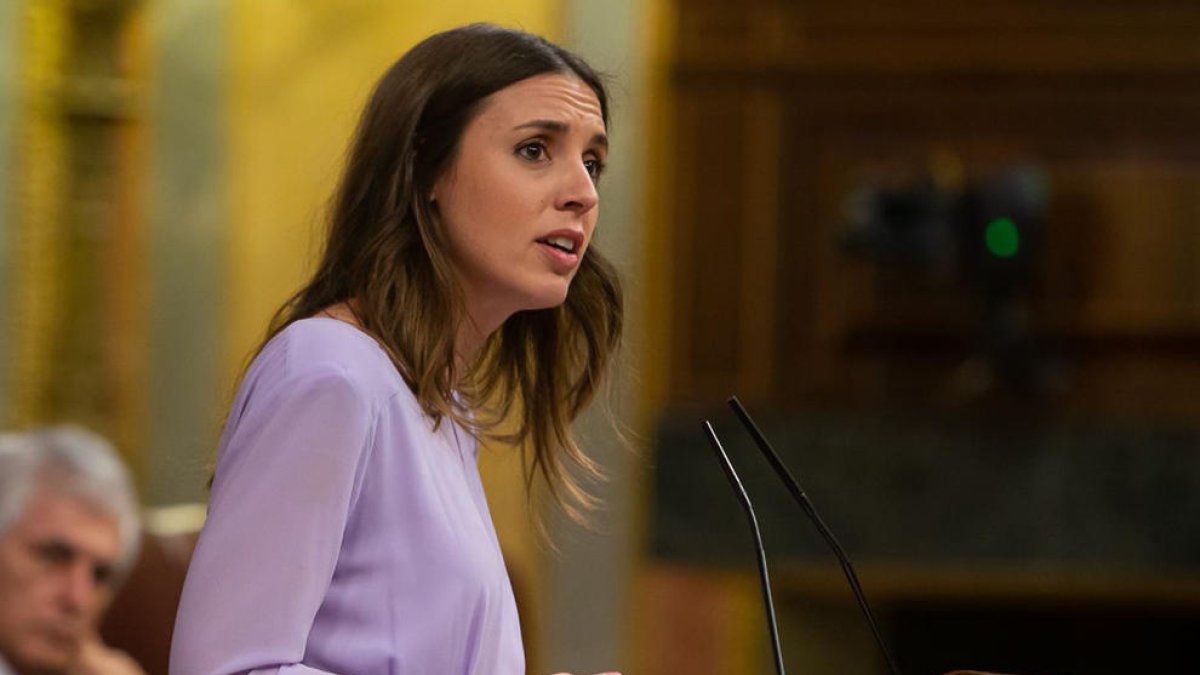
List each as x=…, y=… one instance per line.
x=1003, y=239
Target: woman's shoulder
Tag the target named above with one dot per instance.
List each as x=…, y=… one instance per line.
x=320, y=346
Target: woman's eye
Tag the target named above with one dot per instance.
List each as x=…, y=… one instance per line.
x=532, y=151
x=594, y=168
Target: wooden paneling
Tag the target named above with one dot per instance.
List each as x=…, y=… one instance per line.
x=727, y=251
x=928, y=35
x=785, y=107
x=709, y=264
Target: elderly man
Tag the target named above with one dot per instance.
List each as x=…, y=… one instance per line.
x=68, y=533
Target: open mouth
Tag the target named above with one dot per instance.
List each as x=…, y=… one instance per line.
x=564, y=244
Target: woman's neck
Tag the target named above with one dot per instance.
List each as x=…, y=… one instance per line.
x=342, y=311
x=480, y=321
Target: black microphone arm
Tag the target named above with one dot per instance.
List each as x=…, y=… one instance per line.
x=761, y=553
x=794, y=487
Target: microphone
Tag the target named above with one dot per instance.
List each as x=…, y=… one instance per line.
x=759, y=551
x=798, y=493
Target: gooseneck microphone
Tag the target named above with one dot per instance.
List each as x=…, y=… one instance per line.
x=760, y=552
x=798, y=493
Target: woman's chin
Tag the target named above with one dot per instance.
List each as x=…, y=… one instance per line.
x=550, y=296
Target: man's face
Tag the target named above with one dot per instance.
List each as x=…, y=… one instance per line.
x=56, y=576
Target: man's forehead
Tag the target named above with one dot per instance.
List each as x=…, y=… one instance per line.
x=54, y=515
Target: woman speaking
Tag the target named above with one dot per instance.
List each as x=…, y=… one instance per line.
x=348, y=530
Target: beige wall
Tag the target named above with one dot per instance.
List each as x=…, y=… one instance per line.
x=590, y=583
x=10, y=42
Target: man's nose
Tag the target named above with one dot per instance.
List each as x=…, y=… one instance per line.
x=79, y=590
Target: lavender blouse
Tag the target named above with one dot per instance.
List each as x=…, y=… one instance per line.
x=344, y=535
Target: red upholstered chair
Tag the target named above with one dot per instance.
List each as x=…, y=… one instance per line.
x=142, y=615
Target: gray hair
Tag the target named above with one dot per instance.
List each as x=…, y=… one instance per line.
x=73, y=462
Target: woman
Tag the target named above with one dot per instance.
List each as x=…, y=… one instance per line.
x=348, y=530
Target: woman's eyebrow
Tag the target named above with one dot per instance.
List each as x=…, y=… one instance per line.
x=558, y=127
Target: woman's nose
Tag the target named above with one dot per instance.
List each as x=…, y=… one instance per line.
x=578, y=191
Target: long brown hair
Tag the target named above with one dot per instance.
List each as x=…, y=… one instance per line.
x=386, y=255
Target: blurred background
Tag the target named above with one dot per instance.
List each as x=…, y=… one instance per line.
x=949, y=255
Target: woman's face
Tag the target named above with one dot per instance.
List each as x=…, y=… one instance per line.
x=519, y=201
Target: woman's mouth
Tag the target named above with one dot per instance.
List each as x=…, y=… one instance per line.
x=562, y=252
x=564, y=244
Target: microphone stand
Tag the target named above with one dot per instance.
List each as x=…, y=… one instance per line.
x=798, y=493
x=760, y=552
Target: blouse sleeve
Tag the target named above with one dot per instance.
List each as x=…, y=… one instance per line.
x=282, y=492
